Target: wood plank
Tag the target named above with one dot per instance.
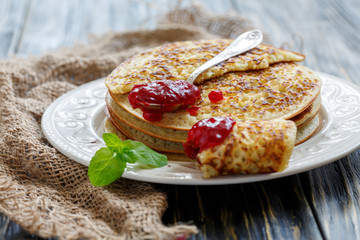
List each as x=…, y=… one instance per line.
x=13, y=16
x=75, y=21
x=274, y=209
x=49, y=26
x=344, y=22
x=333, y=192
x=62, y=23
x=330, y=35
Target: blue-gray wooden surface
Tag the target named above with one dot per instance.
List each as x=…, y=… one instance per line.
x=319, y=204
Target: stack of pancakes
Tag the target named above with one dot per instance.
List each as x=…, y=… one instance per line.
x=262, y=84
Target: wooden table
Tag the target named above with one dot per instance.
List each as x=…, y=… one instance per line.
x=321, y=203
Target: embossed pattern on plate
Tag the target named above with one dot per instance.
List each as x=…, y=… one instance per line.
x=73, y=125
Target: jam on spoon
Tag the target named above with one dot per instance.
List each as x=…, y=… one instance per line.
x=207, y=133
x=158, y=97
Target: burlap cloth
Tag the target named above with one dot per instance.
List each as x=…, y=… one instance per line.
x=49, y=194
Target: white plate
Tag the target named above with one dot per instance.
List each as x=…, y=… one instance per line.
x=72, y=124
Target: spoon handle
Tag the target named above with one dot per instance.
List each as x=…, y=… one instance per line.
x=241, y=44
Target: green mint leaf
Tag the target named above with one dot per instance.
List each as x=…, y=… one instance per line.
x=141, y=153
x=127, y=157
x=113, y=142
x=105, y=167
x=109, y=163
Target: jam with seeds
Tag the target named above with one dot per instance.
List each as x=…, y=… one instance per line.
x=158, y=97
x=207, y=133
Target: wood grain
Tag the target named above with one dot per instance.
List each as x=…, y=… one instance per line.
x=319, y=204
x=333, y=192
x=274, y=209
x=329, y=31
x=12, y=21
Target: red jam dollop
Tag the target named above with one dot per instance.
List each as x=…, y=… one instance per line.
x=207, y=133
x=216, y=96
x=162, y=96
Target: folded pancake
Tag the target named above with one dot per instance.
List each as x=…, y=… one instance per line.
x=308, y=129
x=281, y=91
x=176, y=61
x=251, y=147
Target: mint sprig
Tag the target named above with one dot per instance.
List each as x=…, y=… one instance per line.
x=109, y=163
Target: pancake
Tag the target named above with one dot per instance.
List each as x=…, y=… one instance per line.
x=181, y=135
x=304, y=132
x=176, y=61
x=143, y=126
x=261, y=89
x=281, y=91
x=152, y=142
x=110, y=128
x=308, y=129
x=252, y=147
x=308, y=113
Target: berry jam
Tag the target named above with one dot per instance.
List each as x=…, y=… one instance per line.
x=194, y=110
x=162, y=96
x=152, y=116
x=216, y=96
x=207, y=133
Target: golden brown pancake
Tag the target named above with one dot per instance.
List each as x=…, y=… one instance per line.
x=261, y=89
x=143, y=126
x=251, y=147
x=281, y=91
x=176, y=61
x=308, y=129
x=180, y=135
x=304, y=132
x=110, y=128
x=152, y=142
x=309, y=113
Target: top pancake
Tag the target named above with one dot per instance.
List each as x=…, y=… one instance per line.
x=281, y=91
x=176, y=61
